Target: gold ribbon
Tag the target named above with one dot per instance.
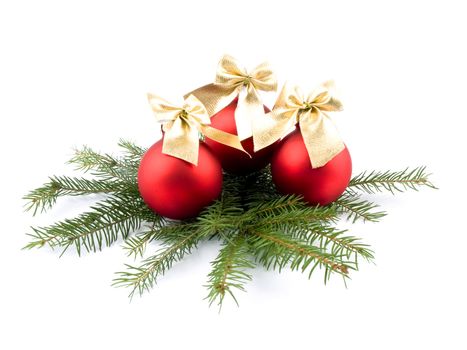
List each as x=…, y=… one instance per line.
x=319, y=133
x=232, y=80
x=182, y=126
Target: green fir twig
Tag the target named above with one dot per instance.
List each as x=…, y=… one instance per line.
x=143, y=277
x=392, y=181
x=254, y=223
x=355, y=208
x=45, y=197
x=275, y=250
x=229, y=270
x=108, y=220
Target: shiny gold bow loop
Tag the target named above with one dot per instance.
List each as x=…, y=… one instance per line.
x=232, y=80
x=319, y=133
x=182, y=126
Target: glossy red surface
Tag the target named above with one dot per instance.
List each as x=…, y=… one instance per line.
x=233, y=160
x=177, y=189
x=292, y=172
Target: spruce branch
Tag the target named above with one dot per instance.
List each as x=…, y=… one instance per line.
x=259, y=187
x=325, y=237
x=44, y=197
x=132, y=149
x=222, y=217
x=392, y=181
x=251, y=220
x=287, y=204
x=288, y=210
x=228, y=270
x=136, y=244
x=334, y=241
x=142, y=278
x=277, y=250
x=104, y=166
x=86, y=159
x=132, y=152
x=355, y=208
x=113, y=217
x=303, y=222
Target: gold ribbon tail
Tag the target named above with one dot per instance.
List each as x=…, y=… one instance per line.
x=181, y=140
x=320, y=136
x=222, y=137
x=249, y=112
x=280, y=120
x=273, y=127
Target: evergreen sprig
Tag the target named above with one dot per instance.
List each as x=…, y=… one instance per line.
x=136, y=245
x=254, y=223
x=229, y=269
x=276, y=250
x=114, y=217
x=44, y=197
x=392, y=181
x=180, y=240
x=356, y=208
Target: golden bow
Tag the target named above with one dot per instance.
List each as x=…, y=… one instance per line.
x=321, y=138
x=231, y=78
x=182, y=126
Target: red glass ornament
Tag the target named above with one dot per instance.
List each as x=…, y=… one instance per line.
x=233, y=160
x=175, y=188
x=292, y=172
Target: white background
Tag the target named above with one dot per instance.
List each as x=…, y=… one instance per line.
x=74, y=73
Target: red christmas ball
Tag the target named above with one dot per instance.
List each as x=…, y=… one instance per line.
x=292, y=172
x=175, y=188
x=233, y=160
